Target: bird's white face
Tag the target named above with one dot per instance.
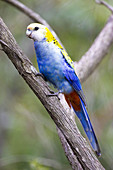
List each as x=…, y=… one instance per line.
x=36, y=31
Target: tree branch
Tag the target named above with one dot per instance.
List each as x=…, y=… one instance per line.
x=69, y=152
x=93, y=57
x=105, y=4
x=67, y=126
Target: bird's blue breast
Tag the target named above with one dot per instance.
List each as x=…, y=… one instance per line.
x=52, y=65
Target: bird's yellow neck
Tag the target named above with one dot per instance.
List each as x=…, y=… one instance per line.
x=50, y=38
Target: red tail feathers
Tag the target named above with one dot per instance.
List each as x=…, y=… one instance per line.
x=73, y=100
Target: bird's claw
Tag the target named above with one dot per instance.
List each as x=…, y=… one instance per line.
x=40, y=74
x=36, y=73
x=54, y=94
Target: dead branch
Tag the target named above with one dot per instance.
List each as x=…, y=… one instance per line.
x=93, y=57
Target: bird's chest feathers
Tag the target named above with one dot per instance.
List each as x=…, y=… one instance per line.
x=50, y=60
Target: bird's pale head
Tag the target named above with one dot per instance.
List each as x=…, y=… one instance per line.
x=38, y=32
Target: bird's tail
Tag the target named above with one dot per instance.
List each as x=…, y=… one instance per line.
x=78, y=106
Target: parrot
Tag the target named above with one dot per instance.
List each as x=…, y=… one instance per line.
x=57, y=68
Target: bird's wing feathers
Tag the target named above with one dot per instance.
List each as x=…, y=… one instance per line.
x=71, y=76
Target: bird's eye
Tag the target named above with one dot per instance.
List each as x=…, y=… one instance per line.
x=36, y=28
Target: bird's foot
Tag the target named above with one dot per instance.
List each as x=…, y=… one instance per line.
x=40, y=74
x=54, y=94
x=37, y=73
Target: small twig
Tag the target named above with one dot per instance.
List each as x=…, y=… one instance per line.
x=105, y=4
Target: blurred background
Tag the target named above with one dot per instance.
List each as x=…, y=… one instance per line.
x=28, y=136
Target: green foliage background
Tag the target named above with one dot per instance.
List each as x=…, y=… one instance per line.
x=28, y=137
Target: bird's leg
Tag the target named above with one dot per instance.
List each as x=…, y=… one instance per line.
x=40, y=74
x=54, y=94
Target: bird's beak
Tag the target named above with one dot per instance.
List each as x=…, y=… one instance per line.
x=29, y=33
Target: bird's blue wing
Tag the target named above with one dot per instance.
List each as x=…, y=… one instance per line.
x=82, y=114
x=72, y=78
